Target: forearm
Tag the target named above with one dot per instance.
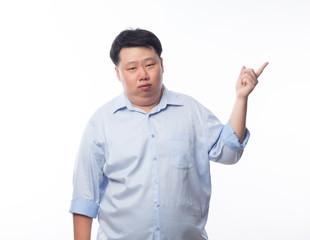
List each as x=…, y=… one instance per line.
x=246, y=82
x=238, y=117
x=82, y=227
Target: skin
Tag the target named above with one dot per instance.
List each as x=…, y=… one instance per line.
x=140, y=71
x=246, y=83
x=82, y=227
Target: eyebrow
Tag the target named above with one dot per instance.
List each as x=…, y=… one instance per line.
x=144, y=60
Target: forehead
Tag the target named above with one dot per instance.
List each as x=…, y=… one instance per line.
x=136, y=54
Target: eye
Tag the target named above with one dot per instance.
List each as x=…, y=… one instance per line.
x=132, y=69
x=150, y=65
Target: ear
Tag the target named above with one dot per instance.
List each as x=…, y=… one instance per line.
x=117, y=74
x=162, y=64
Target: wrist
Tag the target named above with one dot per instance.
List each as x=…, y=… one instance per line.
x=241, y=99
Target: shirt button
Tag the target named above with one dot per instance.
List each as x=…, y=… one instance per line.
x=154, y=158
x=156, y=181
x=157, y=205
x=153, y=135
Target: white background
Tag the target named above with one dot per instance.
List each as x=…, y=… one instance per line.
x=55, y=72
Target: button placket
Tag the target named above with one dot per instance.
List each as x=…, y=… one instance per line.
x=155, y=181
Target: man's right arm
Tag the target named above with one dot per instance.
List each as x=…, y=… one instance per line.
x=88, y=176
x=82, y=227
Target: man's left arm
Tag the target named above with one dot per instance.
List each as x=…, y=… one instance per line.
x=246, y=83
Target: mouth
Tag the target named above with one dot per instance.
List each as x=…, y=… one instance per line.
x=145, y=87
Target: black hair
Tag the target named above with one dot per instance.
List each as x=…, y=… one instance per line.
x=134, y=38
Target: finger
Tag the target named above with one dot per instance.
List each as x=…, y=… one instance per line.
x=250, y=72
x=261, y=69
x=241, y=72
x=249, y=81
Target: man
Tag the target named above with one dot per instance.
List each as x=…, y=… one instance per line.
x=143, y=164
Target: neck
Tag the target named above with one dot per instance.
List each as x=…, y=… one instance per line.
x=147, y=106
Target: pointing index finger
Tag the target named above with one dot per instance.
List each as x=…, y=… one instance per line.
x=261, y=69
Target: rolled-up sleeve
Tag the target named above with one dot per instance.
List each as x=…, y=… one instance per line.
x=84, y=207
x=228, y=149
x=231, y=140
x=88, y=173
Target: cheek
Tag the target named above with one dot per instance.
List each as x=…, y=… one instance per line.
x=158, y=75
x=128, y=81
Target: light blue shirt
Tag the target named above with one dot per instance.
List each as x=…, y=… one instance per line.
x=147, y=176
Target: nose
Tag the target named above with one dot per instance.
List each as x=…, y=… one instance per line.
x=143, y=74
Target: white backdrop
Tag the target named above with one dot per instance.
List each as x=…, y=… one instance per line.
x=55, y=71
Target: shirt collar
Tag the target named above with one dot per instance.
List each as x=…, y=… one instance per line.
x=121, y=102
x=168, y=98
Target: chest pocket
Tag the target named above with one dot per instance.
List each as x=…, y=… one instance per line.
x=181, y=153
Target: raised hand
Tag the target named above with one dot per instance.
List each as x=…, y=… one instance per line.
x=247, y=80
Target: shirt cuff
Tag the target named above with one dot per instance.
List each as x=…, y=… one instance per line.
x=231, y=140
x=84, y=207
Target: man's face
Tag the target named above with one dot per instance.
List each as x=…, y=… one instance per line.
x=140, y=71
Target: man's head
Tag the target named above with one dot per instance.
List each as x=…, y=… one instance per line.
x=139, y=67
x=134, y=38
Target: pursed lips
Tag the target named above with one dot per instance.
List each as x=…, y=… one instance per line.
x=145, y=86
